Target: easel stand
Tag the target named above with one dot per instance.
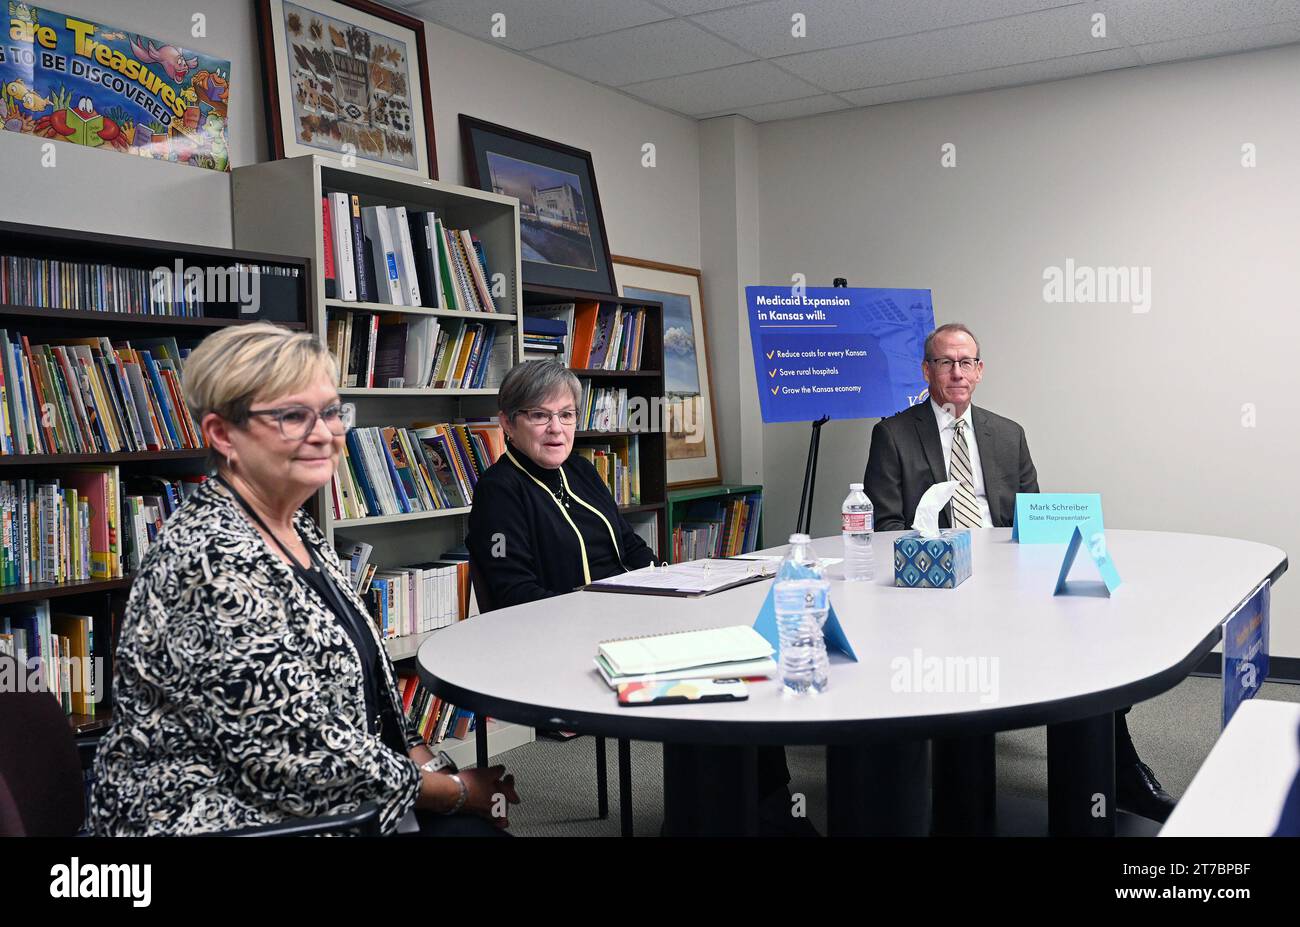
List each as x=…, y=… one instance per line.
x=804, y=523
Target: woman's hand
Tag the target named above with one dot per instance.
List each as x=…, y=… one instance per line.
x=489, y=793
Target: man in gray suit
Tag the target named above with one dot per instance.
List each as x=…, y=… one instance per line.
x=947, y=438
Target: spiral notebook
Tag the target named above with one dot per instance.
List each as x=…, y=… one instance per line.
x=679, y=650
x=695, y=578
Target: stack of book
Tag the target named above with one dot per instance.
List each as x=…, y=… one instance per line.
x=540, y=328
x=83, y=523
x=394, y=471
x=412, y=599
x=401, y=257
x=619, y=464
x=90, y=396
x=603, y=408
x=718, y=528
x=435, y=719
x=58, y=653
x=607, y=337
x=79, y=286
x=545, y=339
x=373, y=350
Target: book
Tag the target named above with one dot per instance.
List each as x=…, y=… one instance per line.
x=367, y=286
x=401, y=237
x=379, y=234
x=339, y=230
x=660, y=653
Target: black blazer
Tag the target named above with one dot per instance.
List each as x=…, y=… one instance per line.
x=522, y=544
x=906, y=459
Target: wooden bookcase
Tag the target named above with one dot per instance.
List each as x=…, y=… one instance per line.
x=646, y=384
x=679, y=501
x=279, y=203
x=106, y=598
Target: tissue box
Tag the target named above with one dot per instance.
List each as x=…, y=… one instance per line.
x=932, y=563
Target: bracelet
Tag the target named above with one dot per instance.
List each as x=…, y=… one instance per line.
x=464, y=794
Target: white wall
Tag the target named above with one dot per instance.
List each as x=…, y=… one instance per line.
x=1134, y=167
x=650, y=213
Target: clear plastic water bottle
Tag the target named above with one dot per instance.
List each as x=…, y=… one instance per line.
x=802, y=596
x=857, y=521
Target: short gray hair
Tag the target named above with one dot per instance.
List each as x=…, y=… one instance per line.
x=531, y=383
x=943, y=330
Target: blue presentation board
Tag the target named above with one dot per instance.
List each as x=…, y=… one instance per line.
x=848, y=352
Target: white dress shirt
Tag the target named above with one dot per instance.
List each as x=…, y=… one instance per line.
x=947, y=431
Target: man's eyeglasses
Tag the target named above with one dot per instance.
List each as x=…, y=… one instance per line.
x=945, y=364
x=296, y=422
x=540, y=418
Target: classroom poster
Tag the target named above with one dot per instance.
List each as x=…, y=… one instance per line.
x=847, y=352
x=70, y=80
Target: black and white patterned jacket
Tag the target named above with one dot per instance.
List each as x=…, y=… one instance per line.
x=238, y=695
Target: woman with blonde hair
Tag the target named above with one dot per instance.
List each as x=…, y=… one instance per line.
x=250, y=687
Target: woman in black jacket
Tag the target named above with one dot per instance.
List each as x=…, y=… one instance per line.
x=543, y=521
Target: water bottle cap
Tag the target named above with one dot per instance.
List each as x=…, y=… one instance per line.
x=800, y=539
x=855, y=487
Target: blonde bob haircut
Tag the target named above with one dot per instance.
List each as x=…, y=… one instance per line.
x=243, y=364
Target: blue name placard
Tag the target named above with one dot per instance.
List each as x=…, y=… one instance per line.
x=843, y=352
x=1245, y=650
x=1050, y=517
x=1091, y=538
x=765, y=624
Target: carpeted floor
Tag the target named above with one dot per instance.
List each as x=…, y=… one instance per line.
x=557, y=779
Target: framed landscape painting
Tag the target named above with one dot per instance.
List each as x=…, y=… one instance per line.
x=561, y=229
x=347, y=78
x=692, y=430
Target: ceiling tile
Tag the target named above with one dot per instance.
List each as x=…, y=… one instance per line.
x=792, y=109
x=723, y=89
x=643, y=53
x=1000, y=43
x=1144, y=22
x=765, y=28
x=1032, y=72
x=532, y=23
x=1223, y=43
x=687, y=7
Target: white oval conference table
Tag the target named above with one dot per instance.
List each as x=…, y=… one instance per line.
x=1012, y=655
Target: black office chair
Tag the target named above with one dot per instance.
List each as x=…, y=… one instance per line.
x=485, y=604
x=42, y=793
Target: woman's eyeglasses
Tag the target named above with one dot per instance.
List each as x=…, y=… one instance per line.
x=540, y=418
x=296, y=422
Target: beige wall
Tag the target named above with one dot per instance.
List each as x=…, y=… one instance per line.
x=649, y=212
x=1137, y=167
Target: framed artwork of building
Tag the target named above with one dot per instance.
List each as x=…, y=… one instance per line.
x=347, y=78
x=561, y=228
x=688, y=388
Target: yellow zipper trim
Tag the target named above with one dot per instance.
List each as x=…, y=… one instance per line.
x=564, y=479
x=582, y=547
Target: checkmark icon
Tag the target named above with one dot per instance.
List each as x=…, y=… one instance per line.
x=774, y=389
x=772, y=373
x=769, y=354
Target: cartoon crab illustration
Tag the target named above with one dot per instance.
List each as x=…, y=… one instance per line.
x=83, y=125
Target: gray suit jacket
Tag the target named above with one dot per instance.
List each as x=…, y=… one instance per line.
x=906, y=459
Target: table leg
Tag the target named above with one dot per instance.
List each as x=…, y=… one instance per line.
x=602, y=781
x=625, y=786
x=710, y=791
x=481, y=742
x=1081, y=777
x=879, y=789
x=965, y=785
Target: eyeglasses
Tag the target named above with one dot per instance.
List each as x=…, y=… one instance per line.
x=297, y=422
x=944, y=364
x=540, y=418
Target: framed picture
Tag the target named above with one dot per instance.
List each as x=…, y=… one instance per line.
x=688, y=387
x=561, y=228
x=347, y=77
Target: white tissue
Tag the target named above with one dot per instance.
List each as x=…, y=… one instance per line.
x=932, y=502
